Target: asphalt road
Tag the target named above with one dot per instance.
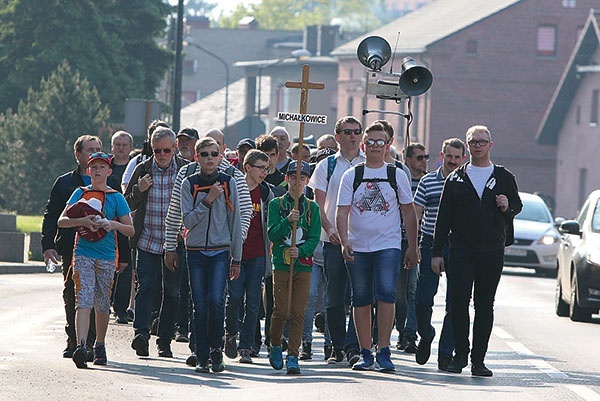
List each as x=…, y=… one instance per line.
x=534, y=354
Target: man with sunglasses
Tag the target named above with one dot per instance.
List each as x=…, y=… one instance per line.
x=148, y=194
x=370, y=200
x=325, y=182
x=477, y=207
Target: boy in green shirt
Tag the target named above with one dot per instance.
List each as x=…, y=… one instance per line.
x=282, y=216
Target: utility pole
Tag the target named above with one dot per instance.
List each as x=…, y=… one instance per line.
x=178, y=67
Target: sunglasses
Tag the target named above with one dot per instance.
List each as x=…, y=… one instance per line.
x=348, y=131
x=101, y=155
x=165, y=151
x=206, y=154
x=481, y=142
x=421, y=157
x=372, y=142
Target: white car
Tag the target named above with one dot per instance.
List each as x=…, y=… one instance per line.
x=536, y=238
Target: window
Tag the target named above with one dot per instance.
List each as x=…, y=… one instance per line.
x=546, y=41
x=350, y=106
x=471, y=47
x=594, y=110
x=569, y=3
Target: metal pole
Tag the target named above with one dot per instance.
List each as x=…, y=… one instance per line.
x=178, y=68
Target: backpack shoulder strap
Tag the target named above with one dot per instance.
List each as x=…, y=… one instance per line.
x=391, y=174
x=330, y=166
x=230, y=170
x=190, y=168
x=359, y=172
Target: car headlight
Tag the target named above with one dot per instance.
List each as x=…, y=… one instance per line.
x=549, y=238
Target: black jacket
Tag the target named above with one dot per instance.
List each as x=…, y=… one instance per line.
x=63, y=239
x=472, y=223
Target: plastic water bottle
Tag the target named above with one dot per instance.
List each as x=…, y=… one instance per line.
x=51, y=267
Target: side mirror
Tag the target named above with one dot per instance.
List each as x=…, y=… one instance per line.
x=570, y=227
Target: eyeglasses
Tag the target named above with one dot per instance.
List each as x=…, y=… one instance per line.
x=206, y=154
x=166, y=151
x=101, y=155
x=261, y=168
x=372, y=142
x=421, y=157
x=481, y=142
x=348, y=131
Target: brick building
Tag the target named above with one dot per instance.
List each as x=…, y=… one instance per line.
x=495, y=62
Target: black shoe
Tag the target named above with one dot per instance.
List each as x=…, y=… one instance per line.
x=202, y=366
x=80, y=357
x=336, y=358
x=231, y=347
x=122, y=317
x=401, y=344
x=68, y=352
x=352, y=356
x=423, y=351
x=284, y=345
x=216, y=360
x=191, y=360
x=306, y=354
x=255, y=352
x=411, y=347
x=164, y=350
x=130, y=314
x=479, y=369
x=327, y=351
x=140, y=345
x=90, y=353
x=320, y=322
x=443, y=363
x=182, y=338
x=100, y=355
x=457, y=364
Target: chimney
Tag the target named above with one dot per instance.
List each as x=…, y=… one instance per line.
x=248, y=23
x=320, y=39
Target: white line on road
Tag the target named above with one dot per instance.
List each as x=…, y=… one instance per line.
x=584, y=392
x=502, y=334
x=548, y=369
x=519, y=348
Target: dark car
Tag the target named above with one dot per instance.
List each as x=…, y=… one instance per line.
x=578, y=278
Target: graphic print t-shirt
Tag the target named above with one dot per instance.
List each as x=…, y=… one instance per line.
x=254, y=245
x=374, y=220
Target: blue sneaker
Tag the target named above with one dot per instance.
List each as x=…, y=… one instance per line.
x=365, y=361
x=292, y=365
x=384, y=360
x=276, y=357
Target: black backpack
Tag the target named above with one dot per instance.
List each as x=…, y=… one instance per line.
x=359, y=172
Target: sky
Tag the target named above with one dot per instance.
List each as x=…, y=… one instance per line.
x=224, y=5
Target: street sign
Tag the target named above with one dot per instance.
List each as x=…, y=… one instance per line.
x=302, y=118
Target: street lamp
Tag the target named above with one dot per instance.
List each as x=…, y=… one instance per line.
x=226, y=75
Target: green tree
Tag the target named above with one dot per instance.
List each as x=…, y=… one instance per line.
x=111, y=42
x=38, y=139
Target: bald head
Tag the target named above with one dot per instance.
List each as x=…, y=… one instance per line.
x=219, y=137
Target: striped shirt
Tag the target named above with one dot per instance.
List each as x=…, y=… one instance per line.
x=174, y=220
x=153, y=230
x=428, y=197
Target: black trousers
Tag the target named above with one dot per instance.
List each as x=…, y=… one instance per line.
x=476, y=273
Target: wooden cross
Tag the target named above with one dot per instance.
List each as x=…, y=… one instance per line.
x=305, y=85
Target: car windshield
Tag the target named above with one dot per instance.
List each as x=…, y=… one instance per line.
x=534, y=211
x=596, y=218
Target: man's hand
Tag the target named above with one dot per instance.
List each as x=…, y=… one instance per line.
x=145, y=182
x=437, y=265
x=234, y=271
x=502, y=202
x=412, y=257
x=293, y=216
x=215, y=191
x=334, y=237
x=171, y=260
x=50, y=255
x=347, y=252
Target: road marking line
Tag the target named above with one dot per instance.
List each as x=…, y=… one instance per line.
x=548, y=369
x=519, y=348
x=584, y=392
x=502, y=334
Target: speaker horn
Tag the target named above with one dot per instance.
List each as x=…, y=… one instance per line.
x=373, y=52
x=414, y=79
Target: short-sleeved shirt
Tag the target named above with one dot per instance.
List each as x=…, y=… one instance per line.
x=374, y=219
x=115, y=205
x=428, y=197
x=319, y=181
x=254, y=246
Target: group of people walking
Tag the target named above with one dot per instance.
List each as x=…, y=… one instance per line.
x=214, y=240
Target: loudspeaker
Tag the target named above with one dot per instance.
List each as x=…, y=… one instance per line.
x=373, y=52
x=414, y=79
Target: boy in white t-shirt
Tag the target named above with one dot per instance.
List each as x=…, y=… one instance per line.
x=368, y=221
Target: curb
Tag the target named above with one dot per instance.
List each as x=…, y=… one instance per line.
x=22, y=268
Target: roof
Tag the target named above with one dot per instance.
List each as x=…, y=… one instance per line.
x=429, y=24
x=569, y=83
x=209, y=112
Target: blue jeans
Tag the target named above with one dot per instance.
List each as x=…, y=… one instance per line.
x=249, y=284
x=406, y=289
x=182, y=324
x=373, y=276
x=427, y=287
x=317, y=279
x=208, y=279
x=149, y=268
x=336, y=275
